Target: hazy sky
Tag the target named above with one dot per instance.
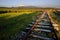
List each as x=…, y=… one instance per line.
x=39, y=3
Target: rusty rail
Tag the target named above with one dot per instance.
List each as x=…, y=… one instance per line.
x=26, y=36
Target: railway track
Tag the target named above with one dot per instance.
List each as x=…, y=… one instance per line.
x=41, y=29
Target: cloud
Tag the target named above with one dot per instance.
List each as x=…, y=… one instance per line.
x=21, y=5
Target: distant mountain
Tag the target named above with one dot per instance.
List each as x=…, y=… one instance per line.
x=27, y=7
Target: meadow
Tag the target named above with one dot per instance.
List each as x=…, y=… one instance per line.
x=12, y=23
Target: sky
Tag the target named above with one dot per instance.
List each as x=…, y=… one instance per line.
x=38, y=3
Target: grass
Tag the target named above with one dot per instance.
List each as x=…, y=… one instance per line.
x=12, y=23
x=56, y=18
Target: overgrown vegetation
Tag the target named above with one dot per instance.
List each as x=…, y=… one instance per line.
x=56, y=18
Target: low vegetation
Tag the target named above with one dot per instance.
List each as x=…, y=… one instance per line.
x=56, y=18
x=12, y=23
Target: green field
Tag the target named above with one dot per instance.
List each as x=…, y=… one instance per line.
x=12, y=23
